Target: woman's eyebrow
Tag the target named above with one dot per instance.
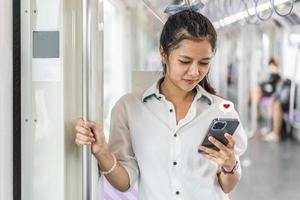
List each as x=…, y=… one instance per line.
x=203, y=59
x=185, y=56
x=208, y=59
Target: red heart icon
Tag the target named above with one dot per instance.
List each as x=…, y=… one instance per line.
x=226, y=105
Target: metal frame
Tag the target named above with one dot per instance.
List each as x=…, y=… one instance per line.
x=16, y=100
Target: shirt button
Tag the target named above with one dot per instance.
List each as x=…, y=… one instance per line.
x=177, y=192
x=171, y=110
x=175, y=135
x=174, y=163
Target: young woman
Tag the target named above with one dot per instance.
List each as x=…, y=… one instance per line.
x=156, y=134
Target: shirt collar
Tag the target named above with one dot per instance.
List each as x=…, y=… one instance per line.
x=202, y=93
x=154, y=91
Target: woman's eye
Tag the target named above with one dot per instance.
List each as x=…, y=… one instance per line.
x=204, y=64
x=184, y=62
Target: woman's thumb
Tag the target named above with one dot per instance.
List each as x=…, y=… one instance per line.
x=96, y=129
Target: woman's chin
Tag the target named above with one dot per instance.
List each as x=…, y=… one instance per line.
x=187, y=88
x=189, y=85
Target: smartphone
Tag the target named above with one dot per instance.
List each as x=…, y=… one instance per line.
x=218, y=128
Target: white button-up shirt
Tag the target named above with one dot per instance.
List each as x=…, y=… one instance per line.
x=163, y=155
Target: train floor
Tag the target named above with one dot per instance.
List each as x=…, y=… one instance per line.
x=271, y=171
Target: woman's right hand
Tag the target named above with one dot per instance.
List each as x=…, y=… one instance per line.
x=89, y=132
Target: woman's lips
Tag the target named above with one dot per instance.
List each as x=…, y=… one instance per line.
x=190, y=81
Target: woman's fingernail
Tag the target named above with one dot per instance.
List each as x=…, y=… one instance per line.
x=199, y=151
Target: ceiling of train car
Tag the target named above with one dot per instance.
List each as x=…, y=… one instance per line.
x=218, y=10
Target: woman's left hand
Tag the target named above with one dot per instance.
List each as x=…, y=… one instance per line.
x=225, y=157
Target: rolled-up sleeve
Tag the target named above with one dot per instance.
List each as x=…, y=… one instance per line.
x=120, y=141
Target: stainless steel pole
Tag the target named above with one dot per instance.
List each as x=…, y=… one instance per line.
x=293, y=87
x=86, y=69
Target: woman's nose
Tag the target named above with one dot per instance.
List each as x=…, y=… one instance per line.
x=193, y=70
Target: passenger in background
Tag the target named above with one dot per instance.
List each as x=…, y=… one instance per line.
x=232, y=74
x=267, y=88
x=279, y=104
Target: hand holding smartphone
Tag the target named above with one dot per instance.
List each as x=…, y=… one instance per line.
x=218, y=128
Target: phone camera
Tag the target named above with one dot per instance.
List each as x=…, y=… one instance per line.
x=220, y=125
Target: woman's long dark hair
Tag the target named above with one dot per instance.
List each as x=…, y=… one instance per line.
x=188, y=25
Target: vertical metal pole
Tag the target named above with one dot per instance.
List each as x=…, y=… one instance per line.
x=256, y=59
x=293, y=87
x=86, y=67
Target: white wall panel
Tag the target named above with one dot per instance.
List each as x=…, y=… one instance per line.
x=6, y=135
x=42, y=106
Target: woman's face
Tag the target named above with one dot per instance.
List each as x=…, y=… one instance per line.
x=188, y=64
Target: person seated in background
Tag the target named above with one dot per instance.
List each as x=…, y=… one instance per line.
x=267, y=88
x=279, y=104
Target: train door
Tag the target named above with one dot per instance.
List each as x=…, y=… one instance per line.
x=61, y=78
